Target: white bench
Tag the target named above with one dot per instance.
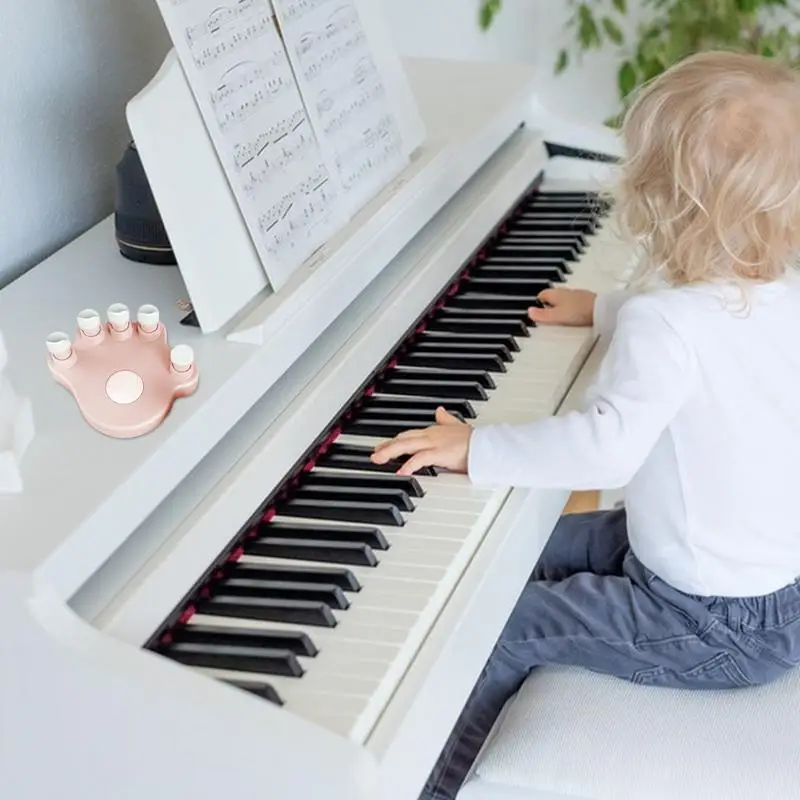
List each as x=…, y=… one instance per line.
x=574, y=735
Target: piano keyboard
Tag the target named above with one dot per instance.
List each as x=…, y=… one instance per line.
x=325, y=598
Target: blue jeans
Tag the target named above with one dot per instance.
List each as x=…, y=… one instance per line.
x=590, y=603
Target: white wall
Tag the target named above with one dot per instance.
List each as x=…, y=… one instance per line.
x=525, y=30
x=69, y=67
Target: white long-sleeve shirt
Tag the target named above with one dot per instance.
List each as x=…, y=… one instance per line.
x=696, y=410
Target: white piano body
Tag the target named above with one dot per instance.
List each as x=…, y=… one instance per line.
x=109, y=537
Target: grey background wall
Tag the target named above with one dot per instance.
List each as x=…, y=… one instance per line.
x=68, y=68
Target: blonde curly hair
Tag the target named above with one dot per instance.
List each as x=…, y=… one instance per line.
x=710, y=185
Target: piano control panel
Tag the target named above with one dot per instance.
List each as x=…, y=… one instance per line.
x=123, y=374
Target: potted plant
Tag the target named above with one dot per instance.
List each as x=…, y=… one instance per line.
x=672, y=30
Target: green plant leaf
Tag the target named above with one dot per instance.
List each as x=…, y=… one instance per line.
x=588, y=32
x=626, y=79
x=673, y=29
x=612, y=30
x=488, y=11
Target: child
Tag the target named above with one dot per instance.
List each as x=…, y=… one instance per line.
x=695, y=410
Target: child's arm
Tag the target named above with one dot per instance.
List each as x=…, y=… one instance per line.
x=642, y=383
x=606, y=311
x=579, y=308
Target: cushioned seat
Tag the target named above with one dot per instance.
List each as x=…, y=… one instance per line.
x=574, y=735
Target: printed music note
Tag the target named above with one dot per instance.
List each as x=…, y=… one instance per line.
x=245, y=88
x=345, y=96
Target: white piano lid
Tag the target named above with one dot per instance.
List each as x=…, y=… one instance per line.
x=86, y=493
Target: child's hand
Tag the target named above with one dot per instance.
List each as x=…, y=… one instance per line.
x=574, y=307
x=442, y=445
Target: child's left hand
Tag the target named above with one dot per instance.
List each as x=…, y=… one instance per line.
x=445, y=444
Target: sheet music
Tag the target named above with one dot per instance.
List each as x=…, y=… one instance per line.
x=345, y=95
x=242, y=80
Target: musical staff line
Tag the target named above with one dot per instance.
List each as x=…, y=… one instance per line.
x=344, y=93
x=245, y=87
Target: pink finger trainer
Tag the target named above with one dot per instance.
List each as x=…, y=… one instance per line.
x=123, y=375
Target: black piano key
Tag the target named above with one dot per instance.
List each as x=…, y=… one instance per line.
x=296, y=642
x=535, y=250
x=532, y=241
x=529, y=238
x=530, y=262
x=343, y=511
x=491, y=312
x=503, y=339
x=557, y=201
x=554, y=225
x=512, y=303
x=385, y=424
x=268, y=609
x=563, y=238
x=339, y=576
x=574, y=206
x=456, y=346
x=467, y=390
x=258, y=688
x=582, y=209
x=447, y=375
x=323, y=532
x=409, y=484
x=529, y=259
x=454, y=360
x=482, y=325
x=352, y=553
x=247, y=586
x=575, y=195
x=584, y=205
x=508, y=286
x=545, y=192
x=354, y=456
x=567, y=194
x=237, y=658
x=522, y=272
x=584, y=214
x=559, y=213
x=461, y=407
x=427, y=416
x=555, y=253
x=587, y=207
x=397, y=497
x=540, y=236
x=383, y=428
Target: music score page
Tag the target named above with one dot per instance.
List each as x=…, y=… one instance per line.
x=298, y=113
x=345, y=95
